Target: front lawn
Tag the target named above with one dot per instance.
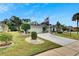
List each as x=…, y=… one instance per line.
x=67, y=35
x=22, y=48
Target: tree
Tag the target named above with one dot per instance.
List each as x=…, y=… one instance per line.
x=46, y=21
x=15, y=21
x=44, y=27
x=64, y=28
x=12, y=27
x=34, y=23
x=26, y=20
x=45, y=24
x=58, y=26
x=76, y=18
x=25, y=27
x=5, y=21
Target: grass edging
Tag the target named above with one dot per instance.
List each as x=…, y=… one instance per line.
x=67, y=35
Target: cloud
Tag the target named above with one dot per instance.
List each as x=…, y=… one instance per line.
x=3, y=8
x=6, y=7
x=36, y=9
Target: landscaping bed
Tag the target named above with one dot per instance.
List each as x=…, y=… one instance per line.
x=5, y=39
x=37, y=41
x=4, y=44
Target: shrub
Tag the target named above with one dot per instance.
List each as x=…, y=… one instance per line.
x=5, y=37
x=34, y=35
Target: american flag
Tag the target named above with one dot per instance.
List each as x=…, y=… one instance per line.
x=46, y=20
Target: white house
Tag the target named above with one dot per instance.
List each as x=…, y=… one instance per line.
x=36, y=28
x=1, y=28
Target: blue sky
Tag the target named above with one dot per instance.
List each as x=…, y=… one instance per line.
x=61, y=12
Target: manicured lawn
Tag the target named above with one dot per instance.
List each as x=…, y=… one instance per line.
x=22, y=48
x=67, y=35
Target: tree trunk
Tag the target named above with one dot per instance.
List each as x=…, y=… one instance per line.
x=77, y=26
x=24, y=32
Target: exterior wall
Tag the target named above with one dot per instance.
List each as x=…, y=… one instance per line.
x=1, y=29
x=37, y=29
x=49, y=29
x=5, y=29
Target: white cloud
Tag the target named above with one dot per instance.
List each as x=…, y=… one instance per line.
x=3, y=8
x=36, y=9
x=6, y=7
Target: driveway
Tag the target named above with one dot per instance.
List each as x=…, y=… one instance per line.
x=56, y=39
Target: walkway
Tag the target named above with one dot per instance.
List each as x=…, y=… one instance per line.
x=56, y=39
x=68, y=50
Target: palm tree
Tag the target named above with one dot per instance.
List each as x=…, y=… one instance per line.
x=76, y=18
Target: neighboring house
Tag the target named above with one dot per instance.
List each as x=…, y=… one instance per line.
x=75, y=29
x=5, y=28
x=36, y=28
x=39, y=27
x=1, y=29
x=69, y=28
x=53, y=28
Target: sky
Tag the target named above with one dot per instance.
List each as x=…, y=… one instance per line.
x=61, y=12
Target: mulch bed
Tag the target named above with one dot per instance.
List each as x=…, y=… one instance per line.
x=4, y=44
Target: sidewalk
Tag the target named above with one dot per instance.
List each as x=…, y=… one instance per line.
x=68, y=50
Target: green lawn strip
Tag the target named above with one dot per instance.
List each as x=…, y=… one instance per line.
x=67, y=35
x=22, y=48
x=46, y=46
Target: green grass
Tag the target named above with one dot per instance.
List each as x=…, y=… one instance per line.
x=67, y=35
x=22, y=48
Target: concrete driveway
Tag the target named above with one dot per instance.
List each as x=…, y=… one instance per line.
x=56, y=39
